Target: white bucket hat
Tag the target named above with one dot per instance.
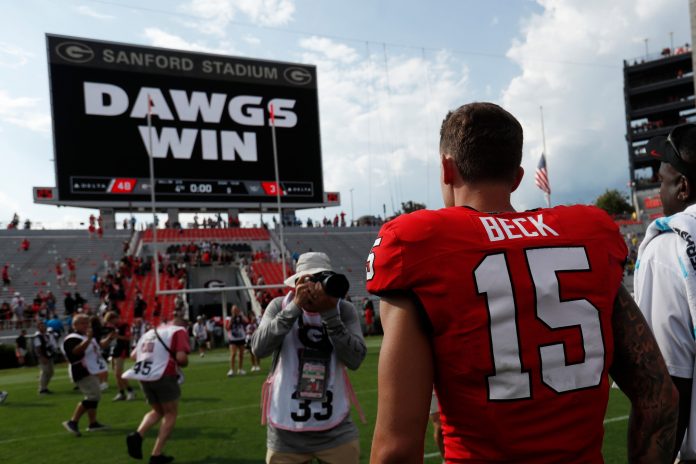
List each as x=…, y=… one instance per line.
x=308, y=264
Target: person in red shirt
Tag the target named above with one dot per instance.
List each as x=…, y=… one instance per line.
x=6, y=281
x=517, y=319
x=24, y=245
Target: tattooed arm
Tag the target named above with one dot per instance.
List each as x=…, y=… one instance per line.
x=641, y=373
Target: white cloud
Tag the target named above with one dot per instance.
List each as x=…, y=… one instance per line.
x=89, y=11
x=160, y=38
x=251, y=40
x=216, y=15
x=23, y=112
x=583, y=105
x=329, y=49
x=13, y=56
x=379, y=124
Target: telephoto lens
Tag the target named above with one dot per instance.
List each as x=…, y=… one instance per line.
x=334, y=284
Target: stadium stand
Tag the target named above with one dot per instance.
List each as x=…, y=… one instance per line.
x=347, y=247
x=219, y=235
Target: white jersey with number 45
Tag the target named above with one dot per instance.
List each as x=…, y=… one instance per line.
x=152, y=356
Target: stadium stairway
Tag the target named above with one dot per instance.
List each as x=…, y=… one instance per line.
x=272, y=273
x=146, y=284
x=347, y=247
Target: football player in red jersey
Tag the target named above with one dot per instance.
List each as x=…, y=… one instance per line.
x=518, y=319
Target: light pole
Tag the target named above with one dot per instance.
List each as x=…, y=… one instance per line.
x=352, y=216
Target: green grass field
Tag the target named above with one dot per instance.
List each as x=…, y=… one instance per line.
x=219, y=419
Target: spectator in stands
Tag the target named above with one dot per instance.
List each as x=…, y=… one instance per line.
x=6, y=281
x=308, y=320
x=139, y=306
x=17, y=305
x=44, y=349
x=5, y=314
x=236, y=336
x=369, y=312
x=27, y=224
x=69, y=304
x=60, y=276
x=21, y=347
x=79, y=301
x=119, y=352
x=24, y=246
x=56, y=325
x=250, y=329
x=86, y=362
x=200, y=335
x=72, y=272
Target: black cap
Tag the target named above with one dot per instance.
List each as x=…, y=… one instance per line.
x=666, y=150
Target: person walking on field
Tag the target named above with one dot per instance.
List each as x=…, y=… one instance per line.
x=236, y=338
x=159, y=356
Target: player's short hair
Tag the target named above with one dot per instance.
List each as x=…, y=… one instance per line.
x=485, y=141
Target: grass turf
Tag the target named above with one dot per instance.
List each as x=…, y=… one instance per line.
x=219, y=419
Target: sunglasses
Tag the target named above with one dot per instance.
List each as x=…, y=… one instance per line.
x=666, y=150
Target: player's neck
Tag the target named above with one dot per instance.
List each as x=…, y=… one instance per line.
x=484, y=197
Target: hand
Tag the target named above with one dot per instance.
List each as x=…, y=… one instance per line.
x=89, y=333
x=311, y=297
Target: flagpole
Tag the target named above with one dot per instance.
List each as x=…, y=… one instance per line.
x=543, y=139
x=277, y=180
x=152, y=194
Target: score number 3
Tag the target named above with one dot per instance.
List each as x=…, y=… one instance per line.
x=510, y=381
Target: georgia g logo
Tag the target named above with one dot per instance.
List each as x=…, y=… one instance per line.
x=75, y=52
x=370, y=264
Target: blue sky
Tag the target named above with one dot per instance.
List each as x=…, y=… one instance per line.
x=379, y=134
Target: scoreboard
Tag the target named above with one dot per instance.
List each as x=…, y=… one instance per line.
x=206, y=119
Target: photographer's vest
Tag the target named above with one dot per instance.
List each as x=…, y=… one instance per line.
x=153, y=355
x=92, y=359
x=280, y=406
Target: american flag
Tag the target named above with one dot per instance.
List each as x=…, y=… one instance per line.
x=541, y=177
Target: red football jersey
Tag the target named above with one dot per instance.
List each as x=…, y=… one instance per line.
x=520, y=310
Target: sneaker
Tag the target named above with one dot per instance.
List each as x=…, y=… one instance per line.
x=71, y=427
x=45, y=391
x=241, y=372
x=202, y=355
x=134, y=441
x=104, y=386
x=119, y=397
x=130, y=396
x=230, y=373
x=161, y=459
x=3, y=396
x=95, y=427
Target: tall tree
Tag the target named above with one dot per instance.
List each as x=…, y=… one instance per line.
x=614, y=202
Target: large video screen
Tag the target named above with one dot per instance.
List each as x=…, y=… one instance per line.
x=210, y=125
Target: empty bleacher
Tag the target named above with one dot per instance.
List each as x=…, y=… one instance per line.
x=34, y=270
x=272, y=273
x=347, y=247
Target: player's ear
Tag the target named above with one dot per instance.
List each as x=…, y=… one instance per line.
x=518, y=178
x=449, y=169
x=685, y=190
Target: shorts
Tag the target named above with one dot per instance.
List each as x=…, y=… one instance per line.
x=348, y=453
x=237, y=342
x=164, y=390
x=89, y=386
x=201, y=341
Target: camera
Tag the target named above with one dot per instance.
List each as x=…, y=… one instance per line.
x=333, y=283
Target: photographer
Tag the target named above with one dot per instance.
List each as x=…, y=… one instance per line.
x=312, y=336
x=86, y=363
x=44, y=348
